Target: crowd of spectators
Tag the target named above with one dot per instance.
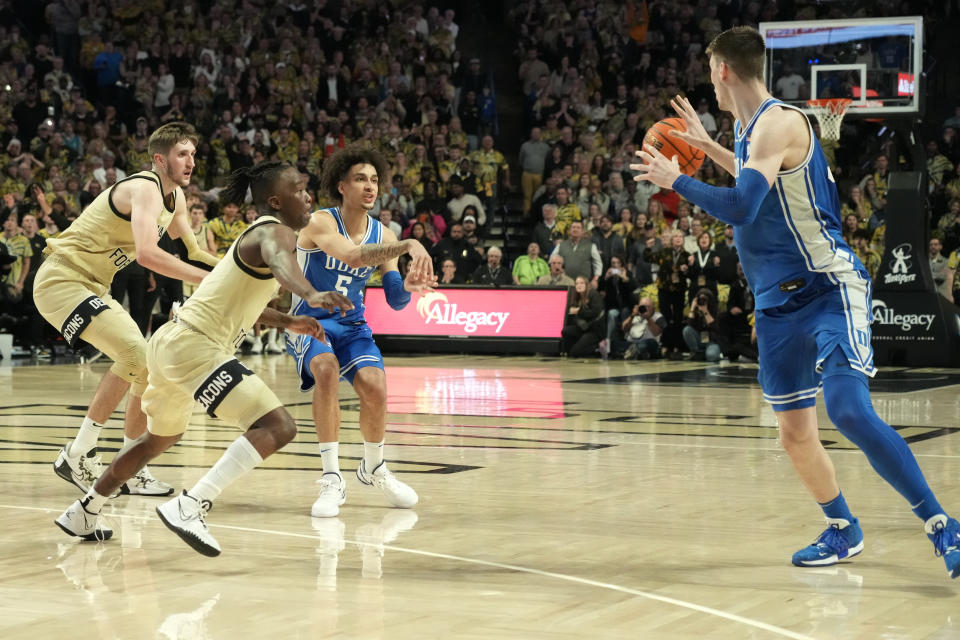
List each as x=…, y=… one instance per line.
x=84, y=84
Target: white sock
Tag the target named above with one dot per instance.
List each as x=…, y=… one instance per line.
x=330, y=457
x=239, y=458
x=93, y=501
x=372, y=455
x=86, y=438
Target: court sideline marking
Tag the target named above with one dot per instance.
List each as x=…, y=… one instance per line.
x=732, y=617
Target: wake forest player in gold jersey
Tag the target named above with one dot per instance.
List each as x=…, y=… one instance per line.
x=72, y=290
x=192, y=358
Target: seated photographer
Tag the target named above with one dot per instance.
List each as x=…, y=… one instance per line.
x=702, y=331
x=617, y=288
x=642, y=330
x=737, y=336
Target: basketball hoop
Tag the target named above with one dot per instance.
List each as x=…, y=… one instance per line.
x=830, y=112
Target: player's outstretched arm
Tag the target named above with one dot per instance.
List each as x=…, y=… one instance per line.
x=697, y=136
x=322, y=232
x=180, y=228
x=278, y=245
x=145, y=206
x=777, y=134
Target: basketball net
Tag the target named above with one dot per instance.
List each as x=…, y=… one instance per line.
x=830, y=112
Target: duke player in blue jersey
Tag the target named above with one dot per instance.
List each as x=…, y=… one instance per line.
x=339, y=249
x=813, y=296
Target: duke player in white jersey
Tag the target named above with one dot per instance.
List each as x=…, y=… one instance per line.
x=812, y=293
x=339, y=249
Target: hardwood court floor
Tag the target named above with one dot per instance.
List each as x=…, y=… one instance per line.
x=558, y=499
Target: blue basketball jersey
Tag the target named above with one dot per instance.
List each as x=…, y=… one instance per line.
x=796, y=242
x=326, y=273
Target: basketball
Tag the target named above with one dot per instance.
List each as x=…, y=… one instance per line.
x=658, y=136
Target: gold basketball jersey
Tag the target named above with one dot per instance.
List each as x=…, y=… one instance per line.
x=231, y=297
x=100, y=242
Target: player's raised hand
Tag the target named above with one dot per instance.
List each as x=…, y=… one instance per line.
x=421, y=264
x=307, y=325
x=330, y=301
x=419, y=285
x=656, y=168
x=695, y=135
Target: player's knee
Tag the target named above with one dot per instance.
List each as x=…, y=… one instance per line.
x=156, y=445
x=371, y=387
x=325, y=370
x=845, y=409
x=284, y=430
x=796, y=432
x=280, y=424
x=130, y=363
x=793, y=438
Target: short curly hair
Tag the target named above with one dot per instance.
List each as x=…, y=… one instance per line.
x=337, y=167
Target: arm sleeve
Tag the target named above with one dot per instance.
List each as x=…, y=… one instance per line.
x=596, y=261
x=737, y=205
x=397, y=296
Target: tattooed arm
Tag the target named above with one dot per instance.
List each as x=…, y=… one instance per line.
x=322, y=233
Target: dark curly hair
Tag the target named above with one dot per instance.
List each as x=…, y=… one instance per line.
x=337, y=167
x=258, y=178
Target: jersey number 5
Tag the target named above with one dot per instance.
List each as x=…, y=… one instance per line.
x=342, y=283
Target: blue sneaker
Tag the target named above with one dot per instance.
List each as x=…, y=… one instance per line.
x=944, y=533
x=842, y=539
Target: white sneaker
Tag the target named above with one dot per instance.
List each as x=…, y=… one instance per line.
x=272, y=344
x=397, y=493
x=80, y=470
x=185, y=516
x=77, y=521
x=333, y=493
x=257, y=346
x=144, y=484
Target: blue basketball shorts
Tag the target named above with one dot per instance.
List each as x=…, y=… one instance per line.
x=351, y=343
x=795, y=338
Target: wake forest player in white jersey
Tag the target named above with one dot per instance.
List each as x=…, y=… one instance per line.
x=72, y=290
x=812, y=294
x=192, y=358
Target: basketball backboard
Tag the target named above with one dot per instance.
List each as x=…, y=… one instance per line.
x=874, y=61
